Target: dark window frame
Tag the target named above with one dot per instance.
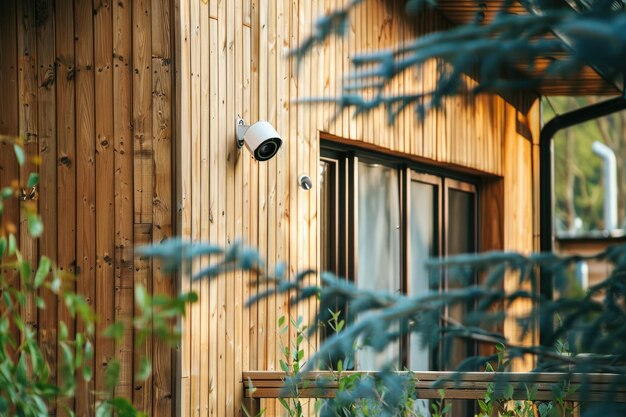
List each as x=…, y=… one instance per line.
x=345, y=159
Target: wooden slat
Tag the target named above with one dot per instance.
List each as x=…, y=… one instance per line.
x=468, y=385
x=58, y=161
x=183, y=190
x=204, y=204
x=85, y=179
x=162, y=390
x=28, y=128
x=213, y=214
x=123, y=191
x=9, y=123
x=105, y=186
x=239, y=158
x=196, y=215
x=221, y=382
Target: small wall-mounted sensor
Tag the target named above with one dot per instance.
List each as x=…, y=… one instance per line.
x=261, y=139
x=305, y=182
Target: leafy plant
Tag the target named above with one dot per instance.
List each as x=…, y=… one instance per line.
x=26, y=385
x=292, y=362
x=592, y=325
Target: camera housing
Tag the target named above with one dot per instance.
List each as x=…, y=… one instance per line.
x=261, y=139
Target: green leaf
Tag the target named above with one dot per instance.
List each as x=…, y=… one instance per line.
x=87, y=373
x=63, y=331
x=42, y=271
x=123, y=408
x=24, y=268
x=21, y=372
x=33, y=179
x=6, y=193
x=12, y=245
x=88, y=350
x=141, y=297
x=145, y=369
x=115, y=330
x=112, y=374
x=35, y=225
x=3, y=245
x=104, y=409
x=19, y=154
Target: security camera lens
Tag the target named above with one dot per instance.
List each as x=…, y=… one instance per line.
x=266, y=150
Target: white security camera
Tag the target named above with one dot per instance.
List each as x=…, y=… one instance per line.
x=261, y=139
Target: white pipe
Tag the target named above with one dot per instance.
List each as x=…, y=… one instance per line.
x=610, y=184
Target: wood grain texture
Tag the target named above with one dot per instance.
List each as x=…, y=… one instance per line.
x=89, y=84
x=131, y=106
x=247, y=74
x=58, y=158
x=85, y=180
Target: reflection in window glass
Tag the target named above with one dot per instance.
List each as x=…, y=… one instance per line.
x=325, y=184
x=378, y=243
x=580, y=181
x=422, y=223
x=460, y=239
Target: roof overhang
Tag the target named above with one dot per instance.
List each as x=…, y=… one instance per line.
x=590, y=80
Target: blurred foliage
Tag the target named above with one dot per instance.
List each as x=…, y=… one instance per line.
x=585, y=333
x=512, y=51
x=27, y=385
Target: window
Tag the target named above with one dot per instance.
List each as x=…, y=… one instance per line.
x=387, y=216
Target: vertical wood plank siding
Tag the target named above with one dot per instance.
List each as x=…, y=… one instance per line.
x=261, y=203
x=131, y=106
x=89, y=85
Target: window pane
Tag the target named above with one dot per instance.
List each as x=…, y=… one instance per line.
x=327, y=213
x=460, y=235
x=378, y=243
x=422, y=243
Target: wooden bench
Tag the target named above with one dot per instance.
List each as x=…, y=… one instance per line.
x=467, y=386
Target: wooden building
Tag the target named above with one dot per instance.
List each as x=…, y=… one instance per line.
x=131, y=106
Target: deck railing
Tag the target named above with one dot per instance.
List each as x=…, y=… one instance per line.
x=258, y=385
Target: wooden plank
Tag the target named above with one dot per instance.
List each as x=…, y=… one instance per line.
x=468, y=385
x=204, y=200
x=123, y=192
x=58, y=159
x=85, y=179
x=221, y=385
x=143, y=267
x=254, y=173
x=183, y=196
x=239, y=158
x=9, y=123
x=227, y=126
x=105, y=184
x=248, y=225
x=142, y=115
x=28, y=128
x=197, y=176
x=283, y=10
x=214, y=215
x=162, y=389
x=272, y=108
x=262, y=212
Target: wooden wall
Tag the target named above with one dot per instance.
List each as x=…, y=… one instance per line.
x=131, y=106
x=89, y=85
x=232, y=62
